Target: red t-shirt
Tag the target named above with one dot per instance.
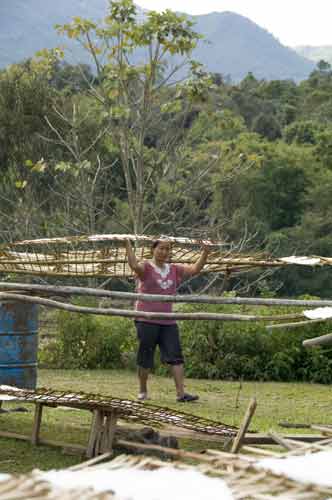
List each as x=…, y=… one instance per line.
x=162, y=282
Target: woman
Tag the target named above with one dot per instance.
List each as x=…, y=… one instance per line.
x=158, y=276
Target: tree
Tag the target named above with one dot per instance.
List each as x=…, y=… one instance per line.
x=137, y=62
x=323, y=66
x=267, y=126
x=25, y=97
x=301, y=132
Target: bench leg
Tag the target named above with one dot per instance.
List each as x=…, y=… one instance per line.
x=36, y=423
x=102, y=433
x=108, y=432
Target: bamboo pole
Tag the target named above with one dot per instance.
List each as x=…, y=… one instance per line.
x=324, y=339
x=72, y=261
x=323, y=429
x=140, y=314
x=259, y=451
x=289, y=425
x=198, y=299
x=297, y=324
x=282, y=441
x=91, y=461
x=244, y=426
x=227, y=458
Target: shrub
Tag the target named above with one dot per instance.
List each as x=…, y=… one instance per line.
x=236, y=350
x=212, y=349
x=89, y=341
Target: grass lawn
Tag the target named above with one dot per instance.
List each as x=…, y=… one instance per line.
x=219, y=400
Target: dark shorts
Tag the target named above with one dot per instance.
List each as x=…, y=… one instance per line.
x=165, y=336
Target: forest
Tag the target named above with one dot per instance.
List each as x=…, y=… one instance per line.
x=163, y=147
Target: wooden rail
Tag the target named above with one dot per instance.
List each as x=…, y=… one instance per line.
x=189, y=299
x=143, y=314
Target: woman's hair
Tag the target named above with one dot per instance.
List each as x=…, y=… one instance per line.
x=155, y=243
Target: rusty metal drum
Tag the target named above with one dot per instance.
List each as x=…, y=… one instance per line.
x=18, y=344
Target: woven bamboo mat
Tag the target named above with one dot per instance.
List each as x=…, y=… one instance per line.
x=243, y=479
x=125, y=408
x=105, y=255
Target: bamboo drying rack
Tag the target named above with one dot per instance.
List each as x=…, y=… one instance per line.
x=105, y=256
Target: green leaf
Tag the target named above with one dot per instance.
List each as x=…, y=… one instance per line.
x=21, y=184
x=62, y=167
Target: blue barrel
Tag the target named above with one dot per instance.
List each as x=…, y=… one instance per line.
x=18, y=344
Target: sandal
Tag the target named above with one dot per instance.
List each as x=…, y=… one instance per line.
x=187, y=398
x=143, y=396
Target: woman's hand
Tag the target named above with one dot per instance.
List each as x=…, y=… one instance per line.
x=206, y=247
x=133, y=263
x=194, y=269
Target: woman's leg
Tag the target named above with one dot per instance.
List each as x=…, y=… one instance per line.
x=178, y=375
x=147, y=334
x=143, y=375
x=171, y=353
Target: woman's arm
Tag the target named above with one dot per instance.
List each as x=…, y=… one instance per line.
x=134, y=265
x=193, y=269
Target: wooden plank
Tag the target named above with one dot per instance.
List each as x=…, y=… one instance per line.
x=237, y=443
x=189, y=434
x=109, y=431
x=95, y=434
x=290, y=425
x=36, y=423
x=282, y=441
x=252, y=439
x=100, y=435
x=181, y=454
x=13, y=435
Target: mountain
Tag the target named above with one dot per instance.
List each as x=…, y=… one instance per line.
x=27, y=26
x=233, y=44
x=238, y=45
x=318, y=53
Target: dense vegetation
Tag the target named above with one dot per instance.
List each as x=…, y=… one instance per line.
x=127, y=147
x=212, y=350
x=258, y=156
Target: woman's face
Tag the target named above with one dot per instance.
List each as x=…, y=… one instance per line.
x=162, y=251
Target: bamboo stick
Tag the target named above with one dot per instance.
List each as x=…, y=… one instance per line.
x=92, y=461
x=259, y=451
x=289, y=425
x=139, y=314
x=244, y=426
x=265, y=439
x=323, y=429
x=199, y=299
x=297, y=324
x=76, y=447
x=324, y=339
x=282, y=441
x=72, y=261
x=182, y=454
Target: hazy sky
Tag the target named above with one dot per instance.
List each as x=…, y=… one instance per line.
x=293, y=22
